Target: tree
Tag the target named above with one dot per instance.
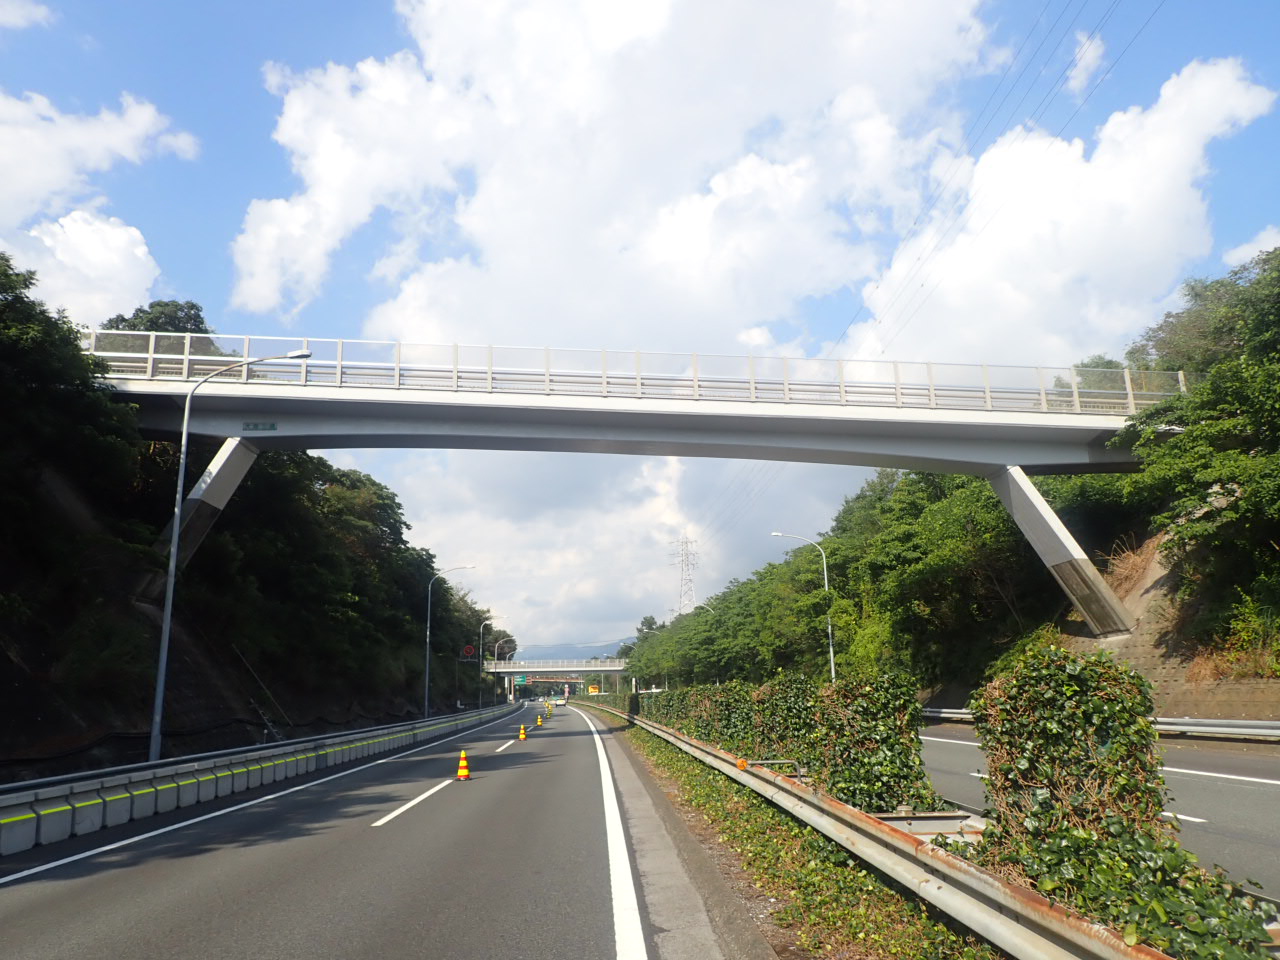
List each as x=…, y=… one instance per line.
x=1213, y=454
x=167, y=316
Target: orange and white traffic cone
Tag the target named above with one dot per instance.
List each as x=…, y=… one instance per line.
x=464, y=771
x=523, y=736
x=539, y=720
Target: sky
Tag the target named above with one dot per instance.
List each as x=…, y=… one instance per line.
x=946, y=180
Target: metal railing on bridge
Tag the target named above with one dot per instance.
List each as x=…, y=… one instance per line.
x=636, y=374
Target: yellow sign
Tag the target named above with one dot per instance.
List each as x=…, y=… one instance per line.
x=593, y=689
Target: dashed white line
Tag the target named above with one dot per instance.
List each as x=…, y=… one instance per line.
x=1224, y=776
x=967, y=743
x=980, y=776
x=504, y=746
x=412, y=803
x=1182, y=816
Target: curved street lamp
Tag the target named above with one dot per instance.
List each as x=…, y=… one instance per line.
x=826, y=586
x=426, y=673
x=166, y=622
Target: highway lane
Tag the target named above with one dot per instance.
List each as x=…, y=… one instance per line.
x=514, y=863
x=1226, y=796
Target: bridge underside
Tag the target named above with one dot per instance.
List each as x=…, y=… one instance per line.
x=1000, y=446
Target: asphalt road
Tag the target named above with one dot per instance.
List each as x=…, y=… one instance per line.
x=1226, y=796
x=533, y=858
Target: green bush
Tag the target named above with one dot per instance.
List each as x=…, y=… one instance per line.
x=858, y=741
x=1076, y=799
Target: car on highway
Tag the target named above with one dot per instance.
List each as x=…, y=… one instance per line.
x=560, y=701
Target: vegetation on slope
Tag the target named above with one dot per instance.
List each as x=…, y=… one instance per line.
x=307, y=577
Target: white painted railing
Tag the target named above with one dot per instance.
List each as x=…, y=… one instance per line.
x=636, y=374
x=557, y=666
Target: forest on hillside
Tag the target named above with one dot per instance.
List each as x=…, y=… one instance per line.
x=306, y=591
x=930, y=576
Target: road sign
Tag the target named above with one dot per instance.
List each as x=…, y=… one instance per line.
x=520, y=681
x=468, y=651
x=593, y=689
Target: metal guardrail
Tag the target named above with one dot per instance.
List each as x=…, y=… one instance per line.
x=1017, y=920
x=633, y=373
x=1250, y=729
x=49, y=810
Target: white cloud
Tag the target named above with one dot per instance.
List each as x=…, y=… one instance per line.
x=578, y=547
x=92, y=265
x=670, y=171
x=1268, y=238
x=1088, y=58
x=1059, y=253
x=47, y=156
x=20, y=14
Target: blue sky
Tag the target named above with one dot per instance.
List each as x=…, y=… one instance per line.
x=677, y=176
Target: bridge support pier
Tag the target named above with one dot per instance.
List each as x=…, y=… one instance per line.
x=203, y=505
x=1102, y=610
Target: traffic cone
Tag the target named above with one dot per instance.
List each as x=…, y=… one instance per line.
x=522, y=733
x=464, y=771
x=539, y=721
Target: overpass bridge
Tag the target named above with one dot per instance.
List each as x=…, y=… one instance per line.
x=553, y=667
x=998, y=422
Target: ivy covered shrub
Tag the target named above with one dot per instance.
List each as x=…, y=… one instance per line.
x=1076, y=798
x=858, y=741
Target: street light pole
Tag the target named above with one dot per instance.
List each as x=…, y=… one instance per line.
x=826, y=586
x=166, y=621
x=480, y=658
x=426, y=672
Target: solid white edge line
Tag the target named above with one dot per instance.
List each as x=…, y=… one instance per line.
x=628, y=934
x=1224, y=776
x=32, y=871
x=967, y=743
x=504, y=746
x=412, y=803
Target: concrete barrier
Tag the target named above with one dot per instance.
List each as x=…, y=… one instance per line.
x=49, y=811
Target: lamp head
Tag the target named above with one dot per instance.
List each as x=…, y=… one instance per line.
x=776, y=534
x=298, y=355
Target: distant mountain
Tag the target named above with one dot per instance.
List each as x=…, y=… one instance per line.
x=572, y=651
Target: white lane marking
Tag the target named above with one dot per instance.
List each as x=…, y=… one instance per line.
x=504, y=746
x=967, y=743
x=412, y=803
x=1182, y=816
x=1224, y=776
x=32, y=871
x=628, y=935
x=980, y=776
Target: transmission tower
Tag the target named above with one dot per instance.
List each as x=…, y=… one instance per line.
x=686, y=558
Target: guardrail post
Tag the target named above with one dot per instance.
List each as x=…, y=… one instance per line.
x=986, y=386
x=639, y=382
x=244, y=353
x=1075, y=391
x=786, y=379
x=397, y=361
x=151, y=354
x=897, y=384
x=489, y=368
x=604, y=373
x=1182, y=382
x=303, y=371
x=186, y=356
x=751, y=374
x=1044, y=398
x=546, y=370
x=840, y=367
x=1128, y=390
x=337, y=370
x=933, y=395
x=695, y=376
